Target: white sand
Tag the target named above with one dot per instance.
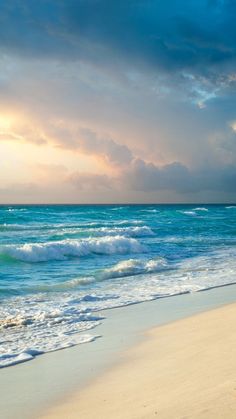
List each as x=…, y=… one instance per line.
x=183, y=370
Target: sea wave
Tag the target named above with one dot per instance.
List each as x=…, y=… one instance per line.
x=142, y=231
x=61, y=250
x=68, y=285
x=188, y=212
x=132, y=267
x=125, y=268
x=149, y=210
x=41, y=323
x=63, y=228
x=201, y=209
x=102, y=259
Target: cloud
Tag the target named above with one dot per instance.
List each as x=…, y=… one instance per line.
x=144, y=176
x=146, y=86
x=233, y=126
x=195, y=36
x=19, y=193
x=113, y=152
x=88, y=181
x=72, y=136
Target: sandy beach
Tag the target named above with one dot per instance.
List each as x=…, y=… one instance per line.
x=185, y=369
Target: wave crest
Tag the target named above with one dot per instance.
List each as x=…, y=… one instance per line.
x=200, y=209
x=132, y=267
x=61, y=250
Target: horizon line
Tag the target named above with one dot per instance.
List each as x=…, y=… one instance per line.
x=117, y=203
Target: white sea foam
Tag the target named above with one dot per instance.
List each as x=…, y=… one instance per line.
x=142, y=231
x=16, y=209
x=117, y=208
x=60, y=250
x=200, y=209
x=188, y=212
x=129, y=231
x=149, y=210
x=39, y=326
x=123, y=222
x=12, y=358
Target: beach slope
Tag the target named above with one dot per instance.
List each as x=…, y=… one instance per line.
x=185, y=369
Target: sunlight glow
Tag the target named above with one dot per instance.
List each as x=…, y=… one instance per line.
x=5, y=123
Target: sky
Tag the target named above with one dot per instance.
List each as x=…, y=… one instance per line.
x=110, y=101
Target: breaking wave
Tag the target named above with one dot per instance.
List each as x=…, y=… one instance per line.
x=142, y=231
x=134, y=267
x=61, y=250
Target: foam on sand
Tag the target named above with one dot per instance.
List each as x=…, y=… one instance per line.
x=38, y=327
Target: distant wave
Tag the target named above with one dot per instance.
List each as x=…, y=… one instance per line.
x=143, y=231
x=16, y=209
x=105, y=226
x=188, y=212
x=117, y=208
x=128, y=222
x=127, y=231
x=149, y=210
x=60, y=250
x=200, y=209
x=231, y=207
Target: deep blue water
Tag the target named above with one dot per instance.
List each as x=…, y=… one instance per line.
x=60, y=265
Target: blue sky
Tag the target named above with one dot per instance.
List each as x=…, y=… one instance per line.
x=117, y=101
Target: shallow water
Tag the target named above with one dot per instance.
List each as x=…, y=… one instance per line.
x=60, y=265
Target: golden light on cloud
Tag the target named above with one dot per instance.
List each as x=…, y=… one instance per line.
x=8, y=127
x=233, y=126
x=5, y=122
x=44, y=154
x=36, y=163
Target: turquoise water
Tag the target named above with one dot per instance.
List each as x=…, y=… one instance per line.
x=61, y=265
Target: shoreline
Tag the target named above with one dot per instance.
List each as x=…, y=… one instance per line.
x=182, y=369
x=30, y=389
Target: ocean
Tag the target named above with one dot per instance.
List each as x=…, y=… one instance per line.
x=62, y=265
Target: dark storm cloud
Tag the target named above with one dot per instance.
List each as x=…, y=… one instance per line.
x=147, y=177
x=144, y=176
x=172, y=34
